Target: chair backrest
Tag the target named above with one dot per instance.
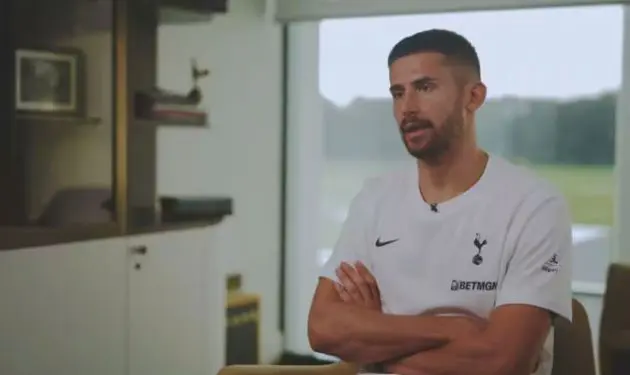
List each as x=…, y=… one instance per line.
x=573, y=345
x=615, y=320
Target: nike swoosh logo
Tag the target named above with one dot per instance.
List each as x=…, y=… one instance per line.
x=383, y=243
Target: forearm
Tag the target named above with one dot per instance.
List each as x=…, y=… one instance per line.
x=369, y=354
x=367, y=336
x=503, y=348
x=475, y=356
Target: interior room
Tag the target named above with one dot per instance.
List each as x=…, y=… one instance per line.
x=175, y=173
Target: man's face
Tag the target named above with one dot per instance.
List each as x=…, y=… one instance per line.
x=428, y=103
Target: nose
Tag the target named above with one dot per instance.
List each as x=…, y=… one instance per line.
x=410, y=105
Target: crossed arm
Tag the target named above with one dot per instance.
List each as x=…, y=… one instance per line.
x=348, y=323
x=509, y=343
x=357, y=334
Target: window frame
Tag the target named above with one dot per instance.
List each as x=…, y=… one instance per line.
x=313, y=10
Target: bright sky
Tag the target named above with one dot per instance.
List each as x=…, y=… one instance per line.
x=553, y=52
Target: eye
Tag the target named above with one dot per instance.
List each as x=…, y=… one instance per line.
x=425, y=87
x=397, y=94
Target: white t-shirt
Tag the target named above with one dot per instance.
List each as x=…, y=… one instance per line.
x=506, y=240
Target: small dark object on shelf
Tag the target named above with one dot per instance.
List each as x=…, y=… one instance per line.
x=167, y=108
x=172, y=108
x=195, y=93
x=197, y=6
x=181, y=210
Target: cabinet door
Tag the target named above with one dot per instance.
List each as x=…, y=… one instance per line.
x=63, y=309
x=172, y=304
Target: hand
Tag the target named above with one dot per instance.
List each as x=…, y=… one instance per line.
x=357, y=285
x=466, y=327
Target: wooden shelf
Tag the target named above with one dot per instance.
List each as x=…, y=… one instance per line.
x=190, y=11
x=174, y=16
x=201, y=123
x=182, y=124
x=59, y=119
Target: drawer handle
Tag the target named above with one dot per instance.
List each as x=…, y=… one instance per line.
x=139, y=250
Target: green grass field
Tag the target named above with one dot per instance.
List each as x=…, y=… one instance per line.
x=589, y=190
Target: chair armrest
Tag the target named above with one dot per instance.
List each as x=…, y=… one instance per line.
x=332, y=369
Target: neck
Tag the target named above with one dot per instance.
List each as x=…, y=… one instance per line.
x=451, y=174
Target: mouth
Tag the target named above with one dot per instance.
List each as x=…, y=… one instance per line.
x=416, y=129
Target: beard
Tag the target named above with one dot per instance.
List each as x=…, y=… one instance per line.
x=439, y=138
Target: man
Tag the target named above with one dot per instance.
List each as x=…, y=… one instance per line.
x=465, y=233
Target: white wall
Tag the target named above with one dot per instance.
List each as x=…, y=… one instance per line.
x=239, y=155
x=304, y=176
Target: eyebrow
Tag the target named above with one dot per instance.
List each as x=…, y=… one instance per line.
x=417, y=82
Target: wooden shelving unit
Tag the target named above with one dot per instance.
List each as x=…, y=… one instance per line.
x=201, y=123
x=58, y=119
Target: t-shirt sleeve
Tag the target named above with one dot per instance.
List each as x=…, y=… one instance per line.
x=353, y=243
x=540, y=269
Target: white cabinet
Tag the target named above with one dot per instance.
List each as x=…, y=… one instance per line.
x=175, y=304
x=141, y=305
x=63, y=309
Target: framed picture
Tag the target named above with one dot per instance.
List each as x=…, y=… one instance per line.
x=50, y=82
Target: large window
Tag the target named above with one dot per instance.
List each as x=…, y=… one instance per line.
x=546, y=106
x=552, y=90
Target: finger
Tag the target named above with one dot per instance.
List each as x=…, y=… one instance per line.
x=363, y=290
x=347, y=284
x=365, y=273
x=346, y=281
x=369, y=280
x=342, y=293
x=345, y=297
x=338, y=287
x=345, y=273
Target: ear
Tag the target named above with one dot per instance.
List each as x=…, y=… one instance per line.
x=477, y=96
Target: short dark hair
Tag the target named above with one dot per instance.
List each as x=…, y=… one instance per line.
x=453, y=46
